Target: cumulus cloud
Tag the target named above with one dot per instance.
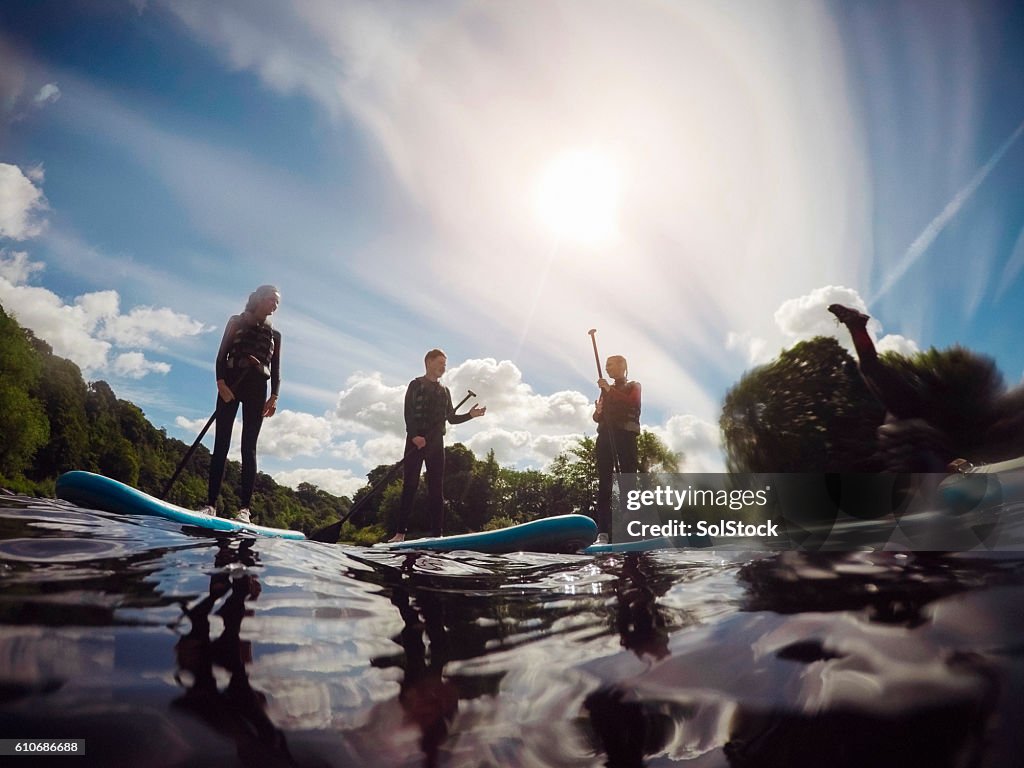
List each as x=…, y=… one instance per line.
x=144, y=326
x=21, y=203
x=340, y=482
x=134, y=365
x=518, y=425
x=807, y=316
x=697, y=440
x=291, y=433
x=88, y=330
x=368, y=404
x=15, y=266
x=48, y=94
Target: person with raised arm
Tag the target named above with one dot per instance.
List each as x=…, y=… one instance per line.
x=428, y=407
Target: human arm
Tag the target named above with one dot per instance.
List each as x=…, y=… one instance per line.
x=275, y=377
x=221, y=363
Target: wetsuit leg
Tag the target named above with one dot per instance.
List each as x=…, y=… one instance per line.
x=605, y=455
x=628, y=450
x=254, y=398
x=410, y=482
x=435, y=486
x=222, y=441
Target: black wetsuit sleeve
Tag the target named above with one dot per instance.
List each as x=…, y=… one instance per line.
x=275, y=365
x=454, y=418
x=221, y=364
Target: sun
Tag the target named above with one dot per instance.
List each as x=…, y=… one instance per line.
x=577, y=197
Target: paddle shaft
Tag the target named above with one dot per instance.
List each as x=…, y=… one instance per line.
x=192, y=449
x=330, y=533
x=600, y=375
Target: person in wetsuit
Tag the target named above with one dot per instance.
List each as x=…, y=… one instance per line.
x=249, y=357
x=428, y=405
x=618, y=428
x=908, y=441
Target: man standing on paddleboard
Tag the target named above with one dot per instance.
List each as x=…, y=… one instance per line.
x=428, y=406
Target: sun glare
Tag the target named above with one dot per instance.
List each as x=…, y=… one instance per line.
x=578, y=197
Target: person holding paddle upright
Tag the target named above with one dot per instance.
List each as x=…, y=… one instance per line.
x=249, y=357
x=618, y=428
x=428, y=406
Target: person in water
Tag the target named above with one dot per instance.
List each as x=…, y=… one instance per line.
x=618, y=428
x=428, y=405
x=908, y=440
x=249, y=357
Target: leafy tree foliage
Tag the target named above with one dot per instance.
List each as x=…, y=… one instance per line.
x=807, y=411
x=23, y=424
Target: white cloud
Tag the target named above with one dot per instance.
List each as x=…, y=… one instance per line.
x=368, y=404
x=291, y=433
x=15, y=266
x=21, y=202
x=143, y=326
x=340, y=482
x=893, y=342
x=134, y=365
x=753, y=348
x=48, y=94
x=807, y=316
x=697, y=440
x=88, y=330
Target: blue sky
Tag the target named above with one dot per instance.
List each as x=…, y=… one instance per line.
x=695, y=180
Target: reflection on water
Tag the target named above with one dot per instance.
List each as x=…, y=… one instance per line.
x=166, y=648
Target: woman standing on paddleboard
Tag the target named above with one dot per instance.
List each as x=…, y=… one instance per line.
x=618, y=427
x=249, y=357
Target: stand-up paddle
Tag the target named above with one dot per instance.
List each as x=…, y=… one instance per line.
x=600, y=375
x=202, y=434
x=329, y=534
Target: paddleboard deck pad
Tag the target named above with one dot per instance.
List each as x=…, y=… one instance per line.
x=563, y=534
x=86, y=489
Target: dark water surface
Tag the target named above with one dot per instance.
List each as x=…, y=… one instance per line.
x=164, y=647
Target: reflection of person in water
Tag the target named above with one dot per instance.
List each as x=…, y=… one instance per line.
x=641, y=624
x=627, y=730
x=427, y=697
x=908, y=440
x=239, y=711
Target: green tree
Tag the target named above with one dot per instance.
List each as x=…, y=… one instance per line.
x=573, y=486
x=23, y=424
x=654, y=455
x=62, y=392
x=807, y=411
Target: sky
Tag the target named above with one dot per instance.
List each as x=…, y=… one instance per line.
x=695, y=180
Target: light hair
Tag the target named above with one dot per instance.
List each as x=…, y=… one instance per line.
x=259, y=295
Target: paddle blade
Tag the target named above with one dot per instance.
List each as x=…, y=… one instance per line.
x=328, y=534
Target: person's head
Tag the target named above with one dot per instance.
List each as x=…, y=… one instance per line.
x=434, y=363
x=616, y=367
x=263, y=301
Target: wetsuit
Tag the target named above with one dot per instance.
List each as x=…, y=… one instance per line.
x=244, y=336
x=428, y=405
x=618, y=429
x=908, y=441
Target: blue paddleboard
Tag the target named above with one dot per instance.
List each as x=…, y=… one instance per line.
x=562, y=534
x=648, y=545
x=98, y=492
x=986, y=485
